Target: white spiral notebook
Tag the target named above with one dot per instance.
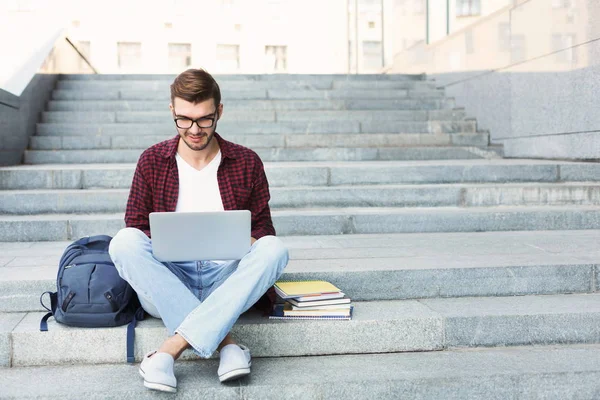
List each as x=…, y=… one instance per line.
x=278, y=314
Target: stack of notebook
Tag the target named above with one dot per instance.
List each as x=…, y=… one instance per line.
x=311, y=300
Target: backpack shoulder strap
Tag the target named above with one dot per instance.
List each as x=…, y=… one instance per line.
x=53, y=304
x=44, y=322
x=138, y=316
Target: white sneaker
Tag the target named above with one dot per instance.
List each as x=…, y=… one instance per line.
x=235, y=362
x=157, y=371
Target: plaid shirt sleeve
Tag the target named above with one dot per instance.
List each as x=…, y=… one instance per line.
x=262, y=225
x=139, y=203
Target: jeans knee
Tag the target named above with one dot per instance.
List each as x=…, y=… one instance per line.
x=126, y=241
x=276, y=250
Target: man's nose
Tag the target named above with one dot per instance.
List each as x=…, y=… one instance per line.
x=194, y=128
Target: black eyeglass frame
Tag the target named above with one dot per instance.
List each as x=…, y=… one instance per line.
x=197, y=121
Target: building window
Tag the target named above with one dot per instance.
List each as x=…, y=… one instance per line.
x=180, y=56
x=468, y=8
x=276, y=58
x=129, y=55
x=228, y=57
x=371, y=54
x=563, y=45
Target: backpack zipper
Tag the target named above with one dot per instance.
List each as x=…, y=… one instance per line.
x=111, y=300
x=97, y=263
x=66, y=301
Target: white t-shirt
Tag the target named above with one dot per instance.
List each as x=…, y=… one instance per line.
x=198, y=190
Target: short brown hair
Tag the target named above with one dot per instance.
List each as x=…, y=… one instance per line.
x=195, y=86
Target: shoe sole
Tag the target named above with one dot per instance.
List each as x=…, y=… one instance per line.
x=235, y=374
x=157, y=386
x=160, y=387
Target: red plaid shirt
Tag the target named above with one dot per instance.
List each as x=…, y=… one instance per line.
x=241, y=177
x=242, y=183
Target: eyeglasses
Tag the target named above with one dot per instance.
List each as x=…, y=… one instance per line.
x=202, y=122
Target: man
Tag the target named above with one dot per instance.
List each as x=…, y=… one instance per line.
x=197, y=170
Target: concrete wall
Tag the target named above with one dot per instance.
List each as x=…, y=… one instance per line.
x=28, y=73
x=528, y=73
x=18, y=116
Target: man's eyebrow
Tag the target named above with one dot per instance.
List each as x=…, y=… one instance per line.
x=204, y=116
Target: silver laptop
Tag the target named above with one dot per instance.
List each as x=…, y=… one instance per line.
x=199, y=236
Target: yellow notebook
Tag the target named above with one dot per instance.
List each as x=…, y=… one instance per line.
x=291, y=289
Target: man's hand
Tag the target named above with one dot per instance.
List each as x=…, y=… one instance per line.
x=252, y=240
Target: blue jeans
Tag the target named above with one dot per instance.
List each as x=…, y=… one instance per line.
x=200, y=300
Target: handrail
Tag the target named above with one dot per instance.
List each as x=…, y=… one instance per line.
x=81, y=55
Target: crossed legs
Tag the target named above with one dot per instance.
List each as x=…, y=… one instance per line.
x=198, y=303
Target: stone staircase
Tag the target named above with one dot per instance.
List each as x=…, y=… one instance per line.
x=473, y=276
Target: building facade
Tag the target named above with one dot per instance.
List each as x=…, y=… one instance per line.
x=223, y=36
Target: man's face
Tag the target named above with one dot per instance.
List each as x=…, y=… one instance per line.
x=199, y=134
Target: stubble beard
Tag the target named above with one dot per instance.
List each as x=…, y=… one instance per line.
x=198, y=147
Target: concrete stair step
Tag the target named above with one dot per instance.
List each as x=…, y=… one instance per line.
x=77, y=201
x=252, y=94
x=56, y=227
x=256, y=141
x=398, y=266
x=277, y=154
x=354, y=93
x=376, y=327
x=75, y=117
x=549, y=372
x=316, y=104
x=306, y=84
x=250, y=77
x=279, y=127
x=89, y=176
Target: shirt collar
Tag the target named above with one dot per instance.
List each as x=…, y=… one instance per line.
x=228, y=149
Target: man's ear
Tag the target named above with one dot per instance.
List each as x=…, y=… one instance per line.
x=171, y=107
x=220, y=111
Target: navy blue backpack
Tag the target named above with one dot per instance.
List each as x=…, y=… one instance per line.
x=90, y=293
